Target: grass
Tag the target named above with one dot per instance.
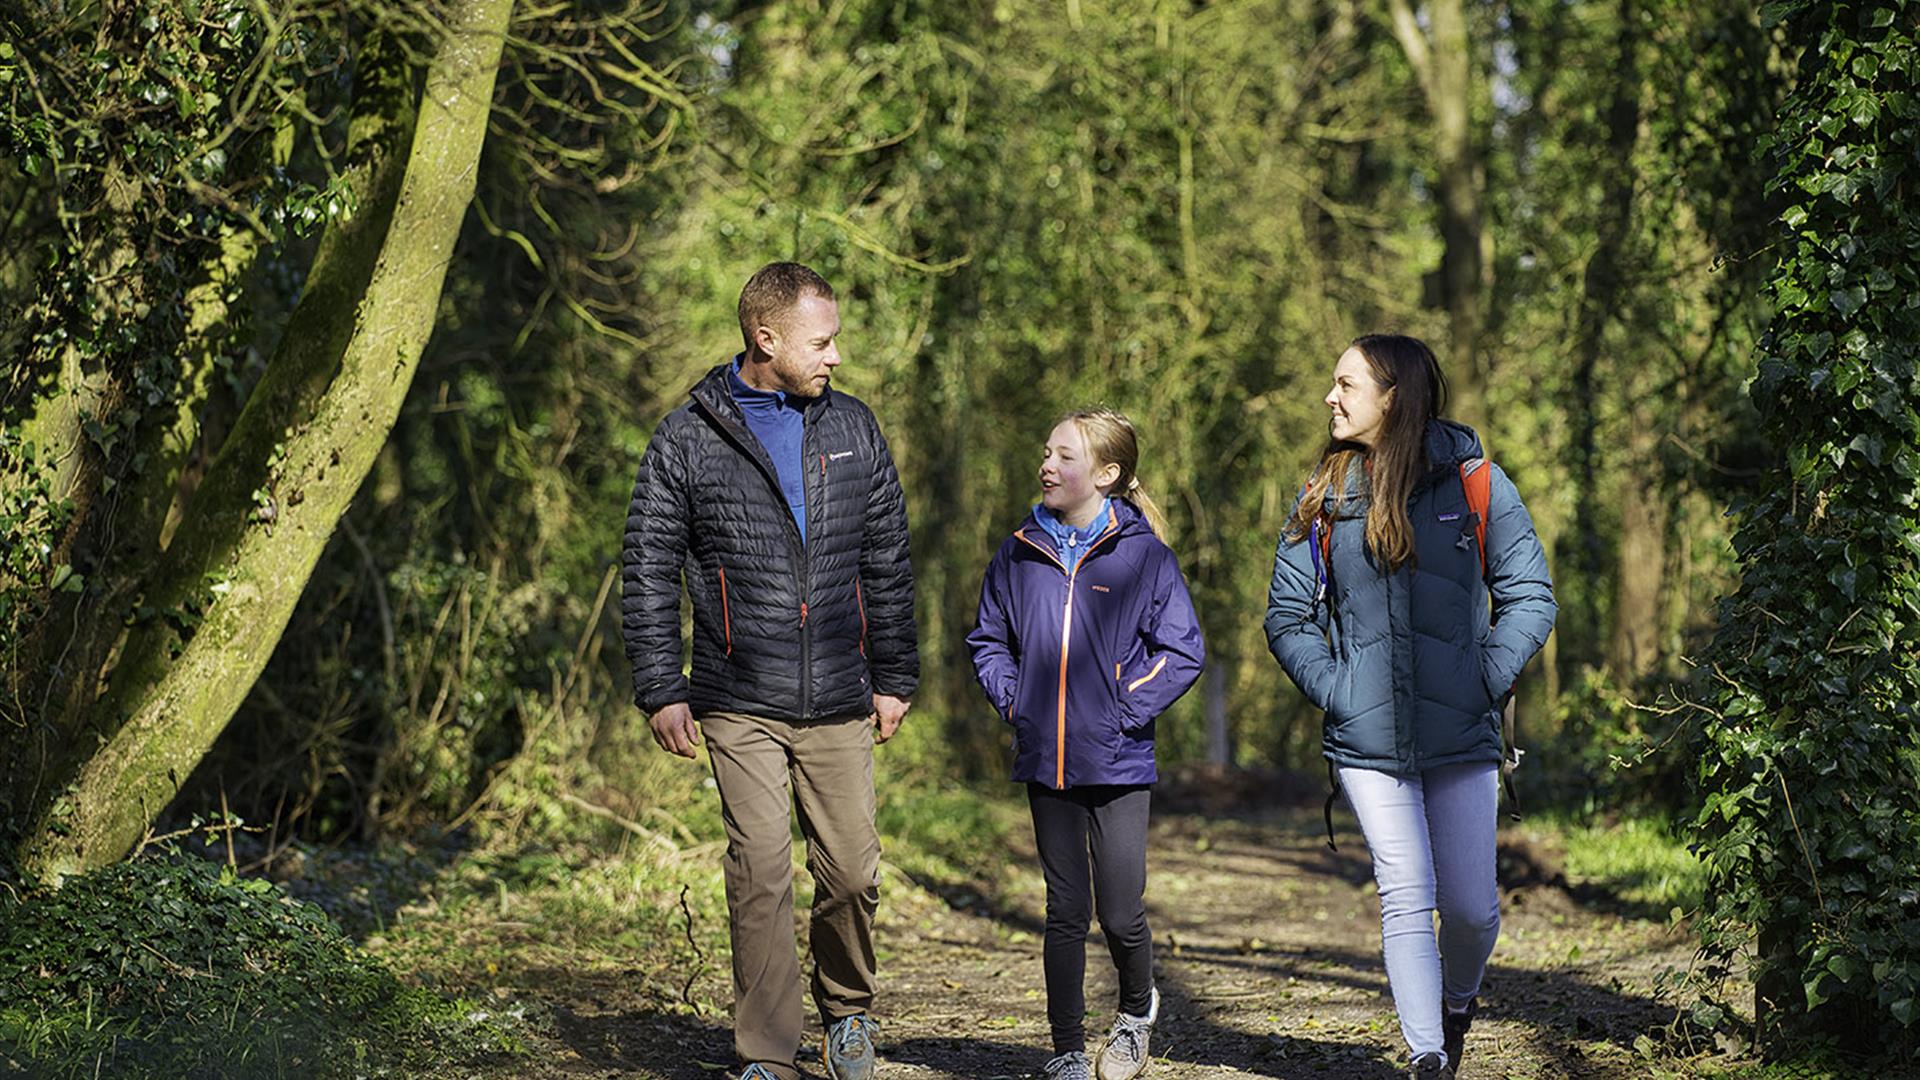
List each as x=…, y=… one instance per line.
x=1637, y=860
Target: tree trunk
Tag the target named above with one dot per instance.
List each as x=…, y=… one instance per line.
x=242, y=555
x=1633, y=649
x=1442, y=59
x=1219, y=736
x=1602, y=285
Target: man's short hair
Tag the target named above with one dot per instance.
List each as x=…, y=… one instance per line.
x=773, y=291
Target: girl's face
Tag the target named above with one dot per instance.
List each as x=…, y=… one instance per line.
x=1071, y=482
x=1359, y=405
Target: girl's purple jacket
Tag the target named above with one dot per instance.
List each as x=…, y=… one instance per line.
x=1080, y=664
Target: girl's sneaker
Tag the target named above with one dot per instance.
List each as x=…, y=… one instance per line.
x=1125, y=1051
x=757, y=1071
x=1069, y=1066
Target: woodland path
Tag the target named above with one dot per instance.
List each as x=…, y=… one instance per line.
x=1266, y=956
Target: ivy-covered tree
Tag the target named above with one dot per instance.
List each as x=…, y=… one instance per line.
x=1810, y=775
x=123, y=682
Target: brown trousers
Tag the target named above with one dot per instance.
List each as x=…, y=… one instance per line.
x=829, y=765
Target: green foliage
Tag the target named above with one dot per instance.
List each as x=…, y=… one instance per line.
x=31, y=516
x=177, y=967
x=1810, y=777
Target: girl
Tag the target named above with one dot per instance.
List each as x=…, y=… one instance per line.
x=1379, y=613
x=1085, y=635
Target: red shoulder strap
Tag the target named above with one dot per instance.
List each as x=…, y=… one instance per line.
x=1477, y=478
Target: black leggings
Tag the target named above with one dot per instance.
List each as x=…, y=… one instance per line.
x=1108, y=823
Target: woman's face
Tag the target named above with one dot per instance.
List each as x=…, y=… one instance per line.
x=1359, y=405
x=1070, y=480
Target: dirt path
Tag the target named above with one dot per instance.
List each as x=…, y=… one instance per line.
x=1266, y=957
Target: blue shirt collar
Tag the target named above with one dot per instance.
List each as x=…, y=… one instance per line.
x=1060, y=530
x=749, y=396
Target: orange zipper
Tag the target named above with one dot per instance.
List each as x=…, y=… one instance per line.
x=1066, y=638
x=860, y=599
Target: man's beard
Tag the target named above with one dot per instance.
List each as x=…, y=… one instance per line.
x=801, y=386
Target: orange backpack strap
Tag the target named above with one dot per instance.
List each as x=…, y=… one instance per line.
x=1477, y=478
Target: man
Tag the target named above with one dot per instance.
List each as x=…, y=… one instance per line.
x=779, y=498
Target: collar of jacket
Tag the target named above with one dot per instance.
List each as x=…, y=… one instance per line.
x=713, y=394
x=1058, y=529
x=1127, y=522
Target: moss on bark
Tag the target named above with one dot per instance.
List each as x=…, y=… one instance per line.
x=238, y=562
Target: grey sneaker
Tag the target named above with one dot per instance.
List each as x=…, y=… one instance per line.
x=1432, y=1067
x=1069, y=1066
x=757, y=1071
x=850, y=1051
x=1124, y=1053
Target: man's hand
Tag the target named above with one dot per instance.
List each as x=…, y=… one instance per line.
x=888, y=711
x=674, y=729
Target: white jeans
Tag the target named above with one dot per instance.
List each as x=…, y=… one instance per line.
x=1432, y=840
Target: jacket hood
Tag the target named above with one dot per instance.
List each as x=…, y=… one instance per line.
x=1450, y=443
x=1447, y=444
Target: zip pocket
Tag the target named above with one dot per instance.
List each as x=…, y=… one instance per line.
x=726, y=615
x=860, y=601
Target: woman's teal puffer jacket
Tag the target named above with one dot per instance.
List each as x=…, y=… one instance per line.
x=1413, y=667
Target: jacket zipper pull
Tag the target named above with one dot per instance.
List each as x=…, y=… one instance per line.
x=803, y=613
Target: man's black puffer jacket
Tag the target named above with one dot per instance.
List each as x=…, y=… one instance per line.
x=781, y=629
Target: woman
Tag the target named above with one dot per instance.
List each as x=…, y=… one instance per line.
x=1379, y=612
x=1085, y=635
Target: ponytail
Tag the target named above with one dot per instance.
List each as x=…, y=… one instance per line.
x=1137, y=495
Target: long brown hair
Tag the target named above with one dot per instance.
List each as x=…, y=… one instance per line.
x=1111, y=440
x=1408, y=367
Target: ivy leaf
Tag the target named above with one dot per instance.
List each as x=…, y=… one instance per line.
x=1864, y=110
x=1815, y=998
x=1848, y=301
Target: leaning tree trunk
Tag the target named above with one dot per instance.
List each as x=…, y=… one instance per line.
x=242, y=555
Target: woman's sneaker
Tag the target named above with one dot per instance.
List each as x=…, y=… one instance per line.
x=850, y=1051
x=1125, y=1052
x=1431, y=1067
x=1069, y=1066
x=1453, y=1028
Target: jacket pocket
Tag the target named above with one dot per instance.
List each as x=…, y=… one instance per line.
x=726, y=611
x=860, y=601
x=1480, y=657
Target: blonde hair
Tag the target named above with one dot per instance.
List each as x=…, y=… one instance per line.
x=1111, y=440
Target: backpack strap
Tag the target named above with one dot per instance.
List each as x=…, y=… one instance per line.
x=1477, y=479
x=1320, y=546
x=1326, y=811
